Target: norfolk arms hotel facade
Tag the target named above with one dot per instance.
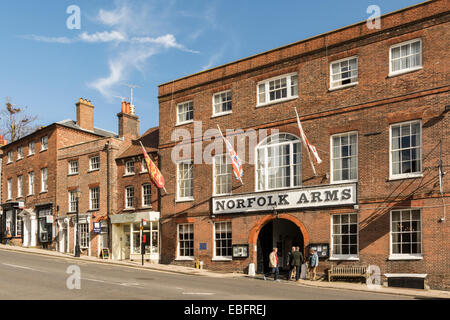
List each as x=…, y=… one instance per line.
x=374, y=102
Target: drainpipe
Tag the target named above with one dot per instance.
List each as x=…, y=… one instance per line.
x=108, y=193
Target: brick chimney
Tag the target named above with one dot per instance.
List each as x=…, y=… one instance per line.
x=2, y=141
x=85, y=114
x=128, y=122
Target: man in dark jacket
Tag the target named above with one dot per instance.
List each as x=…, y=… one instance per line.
x=290, y=263
x=297, y=260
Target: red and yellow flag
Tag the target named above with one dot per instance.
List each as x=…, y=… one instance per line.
x=155, y=175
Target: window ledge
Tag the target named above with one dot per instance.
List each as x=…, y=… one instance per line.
x=72, y=174
x=398, y=73
x=18, y=159
x=128, y=209
x=343, y=86
x=129, y=174
x=31, y=154
x=184, y=259
x=43, y=191
x=221, y=114
x=184, y=200
x=142, y=172
x=222, y=259
x=405, y=275
x=405, y=257
x=403, y=176
x=146, y=207
x=42, y=150
x=30, y=194
x=93, y=170
x=343, y=181
x=183, y=123
x=343, y=258
x=276, y=101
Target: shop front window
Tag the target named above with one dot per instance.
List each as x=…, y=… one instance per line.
x=45, y=228
x=150, y=231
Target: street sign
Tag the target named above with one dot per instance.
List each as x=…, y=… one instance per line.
x=97, y=228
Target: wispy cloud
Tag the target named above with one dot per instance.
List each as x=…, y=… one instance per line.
x=34, y=37
x=104, y=36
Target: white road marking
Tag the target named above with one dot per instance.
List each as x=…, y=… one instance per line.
x=200, y=293
x=21, y=267
x=95, y=280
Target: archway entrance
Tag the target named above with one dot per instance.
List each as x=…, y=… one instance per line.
x=282, y=234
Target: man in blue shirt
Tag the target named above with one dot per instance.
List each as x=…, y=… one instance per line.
x=313, y=262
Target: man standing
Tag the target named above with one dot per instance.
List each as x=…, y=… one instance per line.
x=313, y=263
x=291, y=263
x=297, y=258
x=273, y=264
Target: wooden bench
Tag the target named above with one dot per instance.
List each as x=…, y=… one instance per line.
x=347, y=272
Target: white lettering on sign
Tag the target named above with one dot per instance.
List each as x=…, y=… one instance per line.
x=309, y=197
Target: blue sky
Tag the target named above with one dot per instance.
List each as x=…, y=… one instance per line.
x=46, y=67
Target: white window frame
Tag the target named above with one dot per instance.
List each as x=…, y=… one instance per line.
x=10, y=188
x=94, y=197
x=403, y=256
x=221, y=113
x=44, y=143
x=393, y=73
x=144, y=194
x=352, y=83
x=410, y=174
x=190, y=198
x=31, y=150
x=180, y=257
x=84, y=234
x=332, y=180
x=44, y=182
x=92, y=163
x=19, y=153
x=344, y=256
x=143, y=166
x=178, y=112
x=20, y=186
x=263, y=144
x=31, y=183
x=266, y=82
x=72, y=201
x=215, y=256
x=127, y=167
x=127, y=191
x=227, y=159
x=72, y=168
x=10, y=156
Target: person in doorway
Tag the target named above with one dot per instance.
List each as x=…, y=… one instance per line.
x=273, y=264
x=290, y=263
x=7, y=235
x=297, y=259
x=313, y=262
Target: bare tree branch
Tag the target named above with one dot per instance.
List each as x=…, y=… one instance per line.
x=16, y=122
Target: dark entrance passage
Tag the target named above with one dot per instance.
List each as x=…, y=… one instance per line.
x=279, y=233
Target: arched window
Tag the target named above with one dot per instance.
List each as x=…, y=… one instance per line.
x=278, y=163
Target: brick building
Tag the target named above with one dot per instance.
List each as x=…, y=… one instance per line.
x=374, y=102
x=42, y=170
x=137, y=200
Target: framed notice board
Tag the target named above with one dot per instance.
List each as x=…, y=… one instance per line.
x=322, y=250
x=105, y=253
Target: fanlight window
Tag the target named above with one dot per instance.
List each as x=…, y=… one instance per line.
x=278, y=162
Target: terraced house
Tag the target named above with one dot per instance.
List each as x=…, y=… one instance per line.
x=374, y=102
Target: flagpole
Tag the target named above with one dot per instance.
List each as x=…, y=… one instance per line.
x=304, y=143
x=240, y=178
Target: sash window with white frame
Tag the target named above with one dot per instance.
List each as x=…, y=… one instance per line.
x=94, y=195
x=281, y=88
x=44, y=143
x=405, y=155
x=94, y=163
x=344, y=236
x=129, y=197
x=278, y=162
x=30, y=183
x=344, y=72
x=222, y=103
x=10, y=156
x=406, y=233
x=186, y=240
x=31, y=148
x=10, y=186
x=185, y=112
x=19, y=153
x=344, y=157
x=44, y=185
x=222, y=174
x=223, y=239
x=146, y=195
x=73, y=201
x=185, y=189
x=406, y=56
x=73, y=167
x=129, y=167
x=19, y=186
x=144, y=165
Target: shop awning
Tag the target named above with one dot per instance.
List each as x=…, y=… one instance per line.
x=134, y=217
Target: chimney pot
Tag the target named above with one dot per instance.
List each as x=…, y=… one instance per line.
x=85, y=114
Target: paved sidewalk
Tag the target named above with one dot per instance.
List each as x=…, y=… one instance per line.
x=431, y=294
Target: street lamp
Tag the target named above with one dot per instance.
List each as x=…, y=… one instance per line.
x=77, y=242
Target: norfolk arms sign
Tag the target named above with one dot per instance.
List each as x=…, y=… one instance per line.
x=308, y=197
